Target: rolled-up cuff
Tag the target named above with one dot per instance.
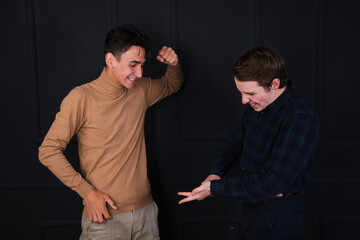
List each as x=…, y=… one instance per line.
x=217, y=187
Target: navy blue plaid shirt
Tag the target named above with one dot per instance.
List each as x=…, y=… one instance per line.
x=274, y=147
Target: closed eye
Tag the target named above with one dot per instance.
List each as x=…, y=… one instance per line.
x=249, y=93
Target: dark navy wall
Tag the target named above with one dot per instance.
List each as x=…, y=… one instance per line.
x=49, y=47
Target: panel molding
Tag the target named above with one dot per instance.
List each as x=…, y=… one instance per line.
x=34, y=63
x=258, y=20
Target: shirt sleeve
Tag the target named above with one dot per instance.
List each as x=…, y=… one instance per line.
x=67, y=123
x=292, y=153
x=171, y=82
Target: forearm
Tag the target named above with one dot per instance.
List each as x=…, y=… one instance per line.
x=52, y=157
x=173, y=78
x=246, y=188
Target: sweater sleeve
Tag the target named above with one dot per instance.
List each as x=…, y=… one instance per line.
x=67, y=123
x=170, y=83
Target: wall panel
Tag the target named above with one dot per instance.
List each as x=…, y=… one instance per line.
x=49, y=47
x=17, y=101
x=291, y=28
x=342, y=35
x=155, y=19
x=212, y=40
x=69, y=44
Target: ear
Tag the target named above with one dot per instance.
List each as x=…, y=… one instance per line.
x=110, y=59
x=275, y=83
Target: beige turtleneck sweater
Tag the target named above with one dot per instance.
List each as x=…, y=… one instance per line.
x=109, y=122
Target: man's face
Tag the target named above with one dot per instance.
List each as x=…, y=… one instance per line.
x=130, y=67
x=255, y=95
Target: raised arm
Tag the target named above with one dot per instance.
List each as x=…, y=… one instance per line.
x=172, y=80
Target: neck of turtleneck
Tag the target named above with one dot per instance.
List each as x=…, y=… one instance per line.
x=108, y=86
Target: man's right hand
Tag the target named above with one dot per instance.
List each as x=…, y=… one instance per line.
x=95, y=202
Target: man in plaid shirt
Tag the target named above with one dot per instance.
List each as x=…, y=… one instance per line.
x=274, y=143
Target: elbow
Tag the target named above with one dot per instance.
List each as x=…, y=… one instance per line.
x=41, y=155
x=46, y=153
x=178, y=86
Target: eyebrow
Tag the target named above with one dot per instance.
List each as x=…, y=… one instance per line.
x=134, y=61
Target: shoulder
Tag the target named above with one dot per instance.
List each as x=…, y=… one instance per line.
x=76, y=95
x=142, y=84
x=300, y=105
x=300, y=110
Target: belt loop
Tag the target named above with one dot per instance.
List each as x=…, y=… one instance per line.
x=285, y=196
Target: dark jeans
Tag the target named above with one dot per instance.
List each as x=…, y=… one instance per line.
x=280, y=219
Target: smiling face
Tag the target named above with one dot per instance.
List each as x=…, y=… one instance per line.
x=257, y=96
x=129, y=68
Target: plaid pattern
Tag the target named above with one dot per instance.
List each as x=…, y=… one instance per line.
x=274, y=147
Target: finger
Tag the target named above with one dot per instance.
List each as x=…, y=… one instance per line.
x=161, y=59
x=100, y=217
x=90, y=216
x=197, y=190
x=172, y=61
x=111, y=203
x=162, y=50
x=188, y=199
x=166, y=52
x=169, y=54
x=186, y=194
x=172, y=58
x=106, y=215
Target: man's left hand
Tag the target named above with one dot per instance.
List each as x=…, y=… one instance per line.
x=168, y=56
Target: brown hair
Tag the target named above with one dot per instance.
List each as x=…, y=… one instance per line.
x=261, y=64
x=119, y=39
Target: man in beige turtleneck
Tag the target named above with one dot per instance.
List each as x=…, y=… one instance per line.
x=108, y=116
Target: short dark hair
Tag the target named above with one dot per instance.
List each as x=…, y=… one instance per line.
x=261, y=64
x=120, y=39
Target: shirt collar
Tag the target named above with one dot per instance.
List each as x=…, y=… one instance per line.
x=282, y=99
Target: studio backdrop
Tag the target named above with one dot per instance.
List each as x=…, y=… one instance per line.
x=50, y=46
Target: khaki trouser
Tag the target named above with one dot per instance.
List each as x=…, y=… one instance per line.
x=138, y=224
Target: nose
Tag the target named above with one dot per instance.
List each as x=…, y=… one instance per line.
x=244, y=99
x=139, y=71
